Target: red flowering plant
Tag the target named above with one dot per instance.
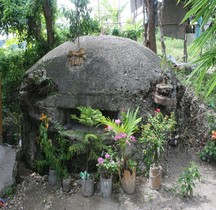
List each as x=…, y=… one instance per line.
x=107, y=166
x=123, y=131
x=50, y=154
x=209, y=151
x=153, y=136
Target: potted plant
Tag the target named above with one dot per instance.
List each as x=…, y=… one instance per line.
x=66, y=182
x=122, y=131
x=106, y=167
x=89, y=143
x=52, y=157
x=153, y=138
x=87, y=184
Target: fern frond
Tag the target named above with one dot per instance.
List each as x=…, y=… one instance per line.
x=74, y=133
x=77, y=148
x=90, y=137
x=92, y=155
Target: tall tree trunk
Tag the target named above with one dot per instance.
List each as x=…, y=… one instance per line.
x=145, y=24
x=161, y=5
x=151, y=40
x=49, y=18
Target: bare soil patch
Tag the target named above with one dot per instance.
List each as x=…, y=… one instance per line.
x=35, y=194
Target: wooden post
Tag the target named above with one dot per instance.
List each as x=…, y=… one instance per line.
x=163, y=46
x=185, y=49
x=1, y=137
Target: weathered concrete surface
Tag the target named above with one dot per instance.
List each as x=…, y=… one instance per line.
x=114, y=69
x=117, y=74
x=7, y=168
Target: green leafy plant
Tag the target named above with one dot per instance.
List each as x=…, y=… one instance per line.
x=89, y=142
x=122, y=131
x=209, y=151
x=111, y=14
x=132, y=163
x=153, y=136
x=85, y=176
x=206, y=10
x=186, y=182
x=9, y=191
x=90, y=117
x=53, y=156
x=131, y=30
x=80, y=20
x=107, y=166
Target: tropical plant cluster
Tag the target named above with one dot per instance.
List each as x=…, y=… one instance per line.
x=206, y=10
x=112, y=160
x=52, y=157
x=92, y=145
x=153, y=136
x=131, y=33
x=123, y=130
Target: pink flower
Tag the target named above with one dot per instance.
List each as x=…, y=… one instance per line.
x=157, y=110
x=108, y=128
x=107, y=156
x=128, y=142
x=117, y=137
x=120, y=136
x=118, y=121
x=132, y=138
x=100, y=160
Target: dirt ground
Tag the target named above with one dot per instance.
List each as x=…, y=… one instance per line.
x=35, y=194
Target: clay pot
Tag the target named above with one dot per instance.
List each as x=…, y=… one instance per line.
x=128, y=180
x=87, y=187
x=155, y=175
x=105, y=186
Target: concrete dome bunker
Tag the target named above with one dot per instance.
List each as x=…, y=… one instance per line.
x=116, y=74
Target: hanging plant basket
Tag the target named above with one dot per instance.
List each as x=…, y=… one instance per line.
x=76, y=58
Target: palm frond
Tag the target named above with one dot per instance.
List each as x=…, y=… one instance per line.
x=131, y=121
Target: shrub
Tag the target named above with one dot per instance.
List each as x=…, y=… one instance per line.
x=186, y=182
x=153, y=136
x=209, y=151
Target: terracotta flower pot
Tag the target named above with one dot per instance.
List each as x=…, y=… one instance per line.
x=155, y=175
x=128, y=180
